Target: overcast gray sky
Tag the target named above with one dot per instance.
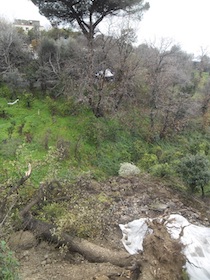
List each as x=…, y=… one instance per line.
x=187, y=22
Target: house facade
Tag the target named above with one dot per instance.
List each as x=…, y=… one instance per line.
x=27, y=25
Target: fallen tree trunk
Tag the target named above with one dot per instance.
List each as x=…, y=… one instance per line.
x=89, y=250
x=49, y=232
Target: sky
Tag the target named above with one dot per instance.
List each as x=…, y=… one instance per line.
x=185, y=22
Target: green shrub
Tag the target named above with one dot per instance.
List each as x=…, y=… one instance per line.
x=98, y=131
x=9, y=147
x=148, y=160
x=3, y=113
x=110, y=155
x=28, y=99
x=185, y=275
x=64, y=107
x=86, y=216
x=194, y=170
x=5, y=92
x=139, y=149
x=161, y=170
x=8, y=263
x=195, y=143
x=51, y=212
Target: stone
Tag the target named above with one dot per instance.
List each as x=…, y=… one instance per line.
x=158, y=206
x=22, y=240
x=102, y=277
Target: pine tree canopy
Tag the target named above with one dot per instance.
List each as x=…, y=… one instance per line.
x=87, y=13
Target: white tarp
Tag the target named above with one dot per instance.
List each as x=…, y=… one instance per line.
x=107, y=73
x=196, y=241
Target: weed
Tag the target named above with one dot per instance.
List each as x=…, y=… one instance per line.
x=8, y=263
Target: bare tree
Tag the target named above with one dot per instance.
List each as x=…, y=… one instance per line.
x=66, y=66
x=203, y=61
x=114, y=54
x=12, y=50
x=204, y=103
x=168, y=78
x=88, y=15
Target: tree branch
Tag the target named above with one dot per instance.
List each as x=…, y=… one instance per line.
x=22, y=180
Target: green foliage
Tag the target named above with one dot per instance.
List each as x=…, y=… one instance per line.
x=9, y=147
x=85, y=218
x=185, y=275
x=194, y=170
x=110, y=155
x=148, y=160
x=99, y=130
x=64, y=108
x=57, y=33
x=8, y=263
x=5, y=92
x=81, y=12
x=139, y=148
x=161, y=170
x=28, y=99
x=194, y=143
x=63, y=145
x=52, y=212
x=198, y=144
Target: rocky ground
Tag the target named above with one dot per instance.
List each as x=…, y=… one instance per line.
x=134, y=198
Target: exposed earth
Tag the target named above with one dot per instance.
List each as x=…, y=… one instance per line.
x=134, y=198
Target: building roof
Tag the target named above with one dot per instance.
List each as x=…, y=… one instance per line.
x=23, y=22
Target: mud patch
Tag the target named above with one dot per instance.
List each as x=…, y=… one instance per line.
x=162, y=255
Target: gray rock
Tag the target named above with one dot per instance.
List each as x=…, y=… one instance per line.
x=22, y=240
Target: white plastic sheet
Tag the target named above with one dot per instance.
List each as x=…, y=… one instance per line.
x=195, y=240
x=133, y=235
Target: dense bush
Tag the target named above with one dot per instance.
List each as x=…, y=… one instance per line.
x=194, y=170
x=148, y=160
x=161, y=170
x=99, y=130
x=5, y=92
x=64, y=107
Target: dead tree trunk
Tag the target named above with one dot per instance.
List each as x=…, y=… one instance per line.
x=49, y=232
x=89, y=250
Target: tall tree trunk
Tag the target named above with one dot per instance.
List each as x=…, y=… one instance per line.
x=202, y=191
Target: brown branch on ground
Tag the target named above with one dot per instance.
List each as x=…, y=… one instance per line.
x=22, y=180
x=89, y=250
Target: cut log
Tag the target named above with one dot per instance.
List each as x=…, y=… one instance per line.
x=91, y=251
x=49, y=232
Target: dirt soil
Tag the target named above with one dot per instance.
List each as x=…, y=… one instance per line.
x=134, y=198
